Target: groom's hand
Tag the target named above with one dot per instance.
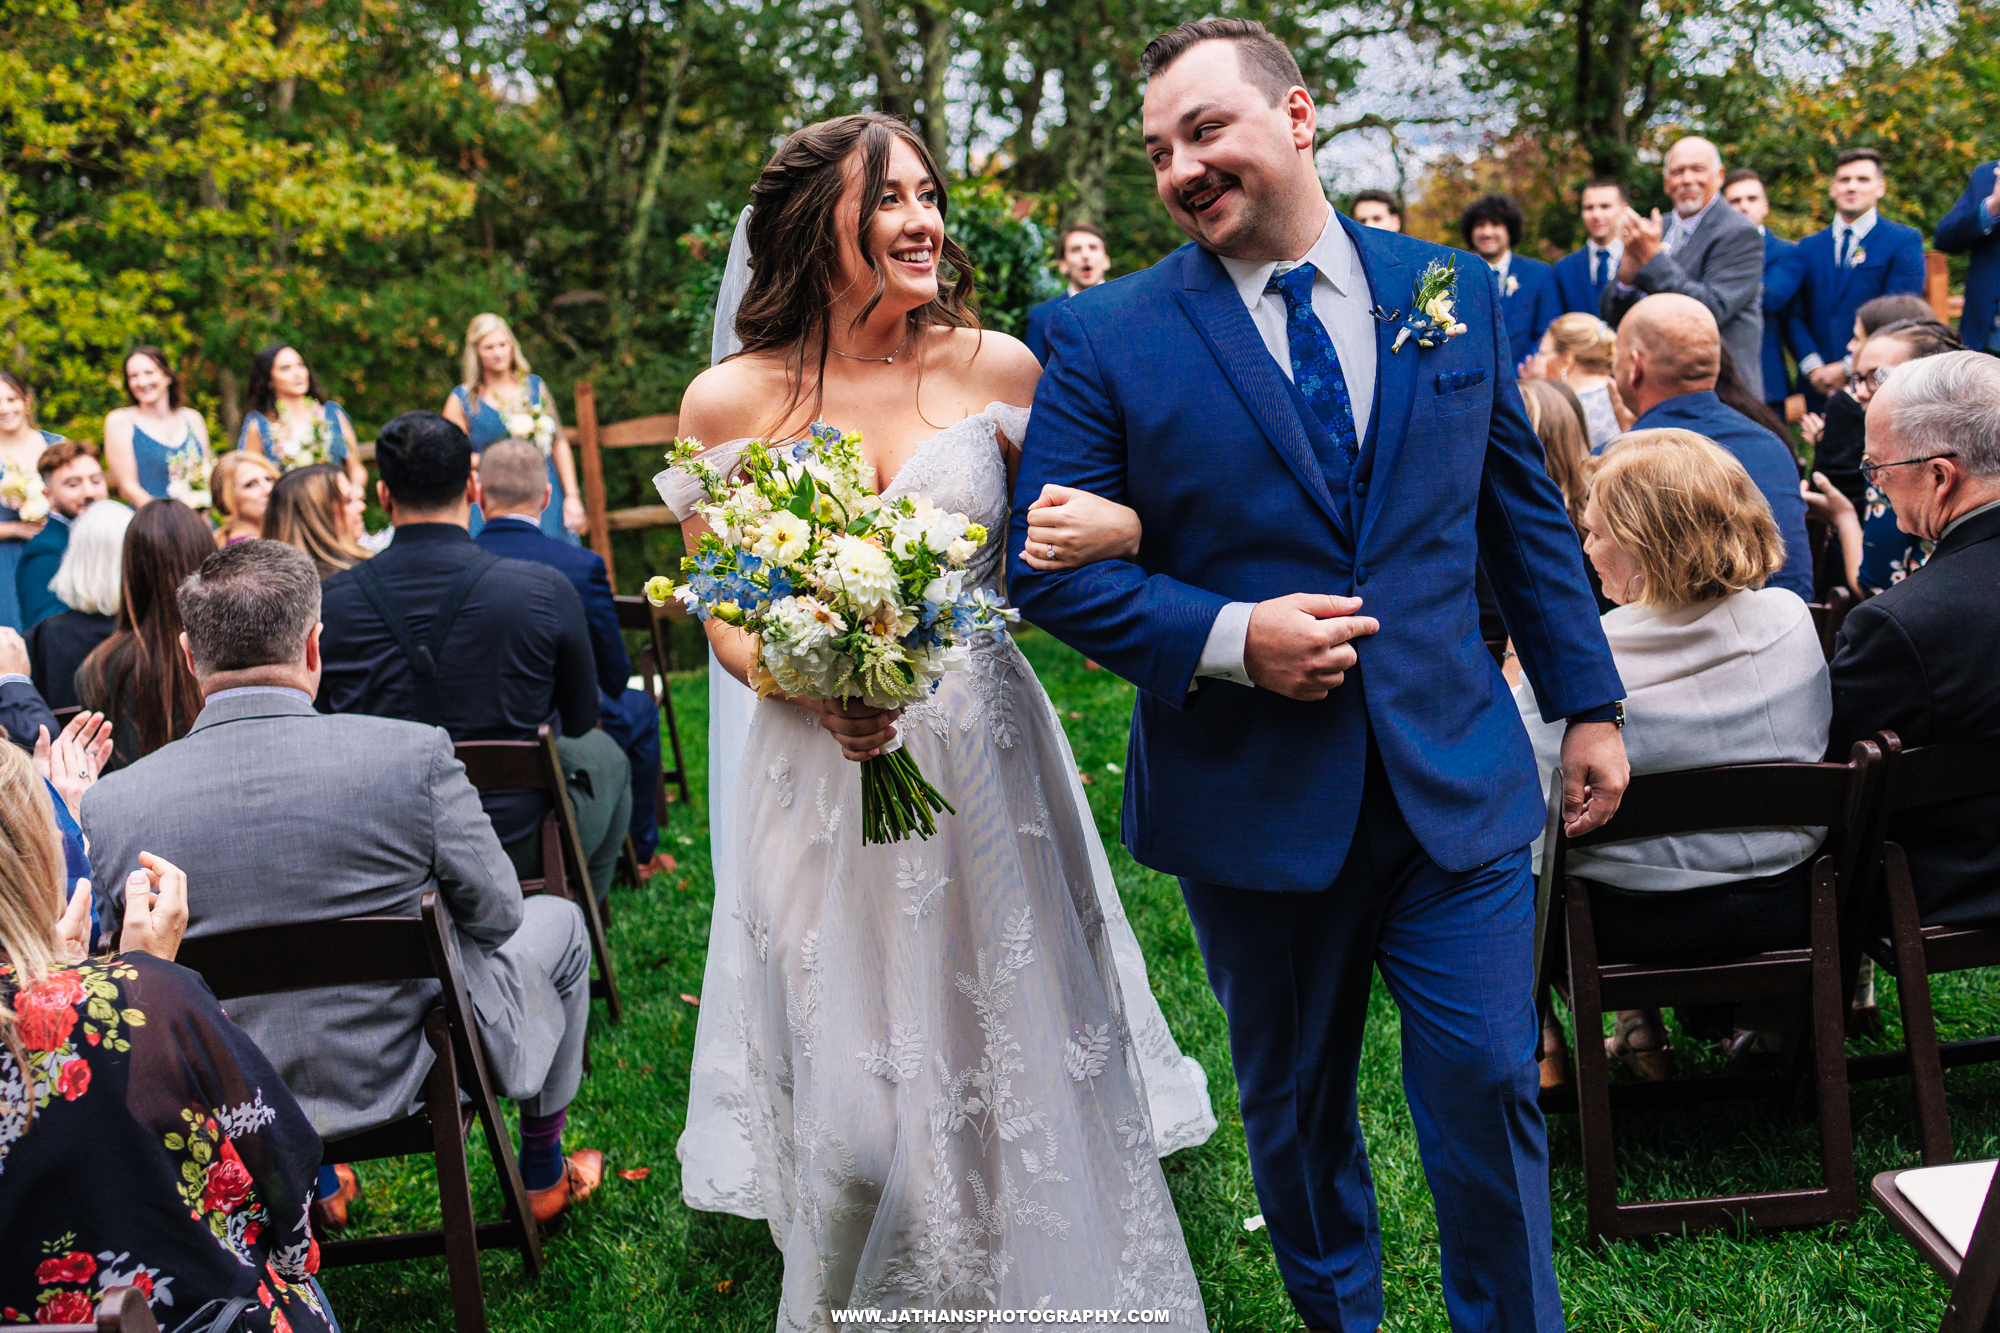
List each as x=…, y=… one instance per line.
x=1299, y=646
x=1595, y=773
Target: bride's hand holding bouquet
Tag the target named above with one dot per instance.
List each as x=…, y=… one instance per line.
x=855, y=603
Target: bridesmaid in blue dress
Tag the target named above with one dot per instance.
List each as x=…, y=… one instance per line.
x=21, y=448
x=286, y=401
x=156, y=447
x=495, y=386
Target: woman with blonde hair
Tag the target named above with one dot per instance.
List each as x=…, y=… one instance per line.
x=1576, y=351
x=125, y=1069
x=1718, y=669
x=89, y=582
x=240, y=484
x=497, y=399
x=318, y=510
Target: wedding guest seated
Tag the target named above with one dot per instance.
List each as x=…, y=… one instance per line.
x=506, y=642
x=318, y=509
x=142, y=1084
x=1921, y=658
x=1669, y=354
x=74, y=480
x=1718, y=669
x=1875, y=551
x=87, y=581
x=1576, y=352
x=138, y=677
x=340, y=816
x=514, y=484
x=240, y=483
x=23, y=712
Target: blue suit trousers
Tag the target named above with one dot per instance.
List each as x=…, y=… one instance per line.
x=633, y=720
x=1456, y=950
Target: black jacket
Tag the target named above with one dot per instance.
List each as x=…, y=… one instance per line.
x=518, y=656
x=57, y=647
x=1921, y=659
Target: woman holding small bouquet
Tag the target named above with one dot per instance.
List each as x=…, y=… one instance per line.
x=156, y=447
x=499, y=400
x=942, y=1051
x=291, y=422
x=24, y=504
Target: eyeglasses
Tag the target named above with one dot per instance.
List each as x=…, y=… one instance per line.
x=1874, y=379
x=1871, y=470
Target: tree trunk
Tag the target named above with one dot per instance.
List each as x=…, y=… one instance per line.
x=892, y=91
x=10, y=284
x=934, y=37
x=229, y=397
x=649, y=189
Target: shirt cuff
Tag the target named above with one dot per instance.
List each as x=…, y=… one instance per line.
x=1810, y=362
x=1222, y=655
x=1987, y=222
x=1607, y=713
x=13, y=676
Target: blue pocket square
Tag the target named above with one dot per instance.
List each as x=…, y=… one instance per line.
x=1454, y=380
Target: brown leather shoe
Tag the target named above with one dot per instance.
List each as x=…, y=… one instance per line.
x=330, y=1215
x=582, y=1171
x=662, y=864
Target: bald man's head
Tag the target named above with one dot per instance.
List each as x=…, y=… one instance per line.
x=1693, y=174
x=1668, y=345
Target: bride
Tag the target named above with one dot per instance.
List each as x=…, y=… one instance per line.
x=927, y=1064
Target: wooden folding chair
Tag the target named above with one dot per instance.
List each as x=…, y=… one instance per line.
x=360, y=951
x=534, y=766
x=1914, y=1204
x=1692, y=801
x=1911, y=951
x=119, y=1310
x=590, y=439
x=1830, y=615
x=636, y=615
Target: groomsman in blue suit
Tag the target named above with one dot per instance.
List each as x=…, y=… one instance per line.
x=1492, y=226
x=1582, y=276
x=1084, y=264
x=1743, y=190
x=1859, y=257
x=1323, y=751
x=1974, y=225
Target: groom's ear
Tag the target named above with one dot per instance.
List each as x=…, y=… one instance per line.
x=1304, y=118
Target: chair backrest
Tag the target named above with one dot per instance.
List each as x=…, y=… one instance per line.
x=119, y=1310
x=63, y=715
x=352, y=951
x=591, y=440
x=1830, y=615
x=534, y=766
x=506, y=765
x=1933, y=774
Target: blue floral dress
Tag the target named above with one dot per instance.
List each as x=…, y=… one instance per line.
x=1888, y=554
x=10, y=549
x=486, y=426
x=267, y=436
x=160, y=464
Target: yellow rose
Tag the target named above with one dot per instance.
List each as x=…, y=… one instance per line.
x=659, y=589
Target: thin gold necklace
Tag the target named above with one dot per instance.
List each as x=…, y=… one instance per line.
x=888, y=360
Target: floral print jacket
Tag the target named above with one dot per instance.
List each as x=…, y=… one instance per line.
x=163, y=1153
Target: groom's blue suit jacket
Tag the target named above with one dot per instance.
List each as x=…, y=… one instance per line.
x=1160, y=394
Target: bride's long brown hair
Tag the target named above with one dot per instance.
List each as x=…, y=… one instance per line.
x=794, y=239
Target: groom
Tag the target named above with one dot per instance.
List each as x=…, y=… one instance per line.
x=1334, y=789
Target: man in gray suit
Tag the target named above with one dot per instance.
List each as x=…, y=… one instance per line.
x=1706, y=250
x=281, y=814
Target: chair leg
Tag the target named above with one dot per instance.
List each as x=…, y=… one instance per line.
x=1913, y=994
x=1829, y=1036
x=1592, y=1072
x=678, y=774
x=513, y=1192
x=461, y=1232
x=628, y=862
x=600, y=949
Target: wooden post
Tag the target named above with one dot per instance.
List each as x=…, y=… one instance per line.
x=593, y=476
x=1937, y=284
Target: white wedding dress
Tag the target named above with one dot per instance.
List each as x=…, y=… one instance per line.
x=935, y=1066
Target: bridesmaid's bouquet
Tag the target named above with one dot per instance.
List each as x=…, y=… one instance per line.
x=533, y=423
x=25, y=494
x=187, y=474
x=849, y=595
x=302, y=443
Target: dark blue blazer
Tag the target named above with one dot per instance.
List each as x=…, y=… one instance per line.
x=1037, y=335
x=1764, y=456
x=1892, y=260
x=40, y=559
x=1963, y=230
x=1782, y=327
x=523, y=539
x=1160, y=394
x=1531, y=309
x=1577, y=288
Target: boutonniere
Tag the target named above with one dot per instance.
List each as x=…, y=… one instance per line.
x=1513, y=284
x=1433, y=320
x=1858, y=258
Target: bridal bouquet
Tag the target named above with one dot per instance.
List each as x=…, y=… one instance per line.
x=533, y=423
x=25, y=494
x=849, y=595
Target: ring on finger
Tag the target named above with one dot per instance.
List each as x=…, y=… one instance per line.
x=1048, y=550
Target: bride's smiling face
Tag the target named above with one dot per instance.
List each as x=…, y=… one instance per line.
x=904, y=233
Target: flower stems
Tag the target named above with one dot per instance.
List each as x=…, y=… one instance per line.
x=897, y=800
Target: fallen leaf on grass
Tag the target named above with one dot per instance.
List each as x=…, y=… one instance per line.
x=668, y=865
x=724, y=1285
x=1113, y=768
x=1089, y=665
x=1075, y=716
x=1088, y=780
x=636, y=1173
x=691, y=999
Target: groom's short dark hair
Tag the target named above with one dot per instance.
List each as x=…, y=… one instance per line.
x=1266, y=63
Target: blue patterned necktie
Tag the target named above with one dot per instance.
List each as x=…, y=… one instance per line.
x=1603, y=267
x=1846, y=239
x=1315, y=365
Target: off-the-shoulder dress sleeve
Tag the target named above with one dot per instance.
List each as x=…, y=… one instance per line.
x=1010, y=421
x=680, y=490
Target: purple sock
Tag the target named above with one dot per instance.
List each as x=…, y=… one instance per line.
x=541, y=1149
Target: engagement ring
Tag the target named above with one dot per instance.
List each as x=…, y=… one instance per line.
x=1048, y=550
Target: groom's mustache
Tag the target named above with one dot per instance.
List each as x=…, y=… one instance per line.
x=1205, y=191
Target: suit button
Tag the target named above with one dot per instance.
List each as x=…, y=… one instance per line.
x=1360, y=575
x=1361, y=489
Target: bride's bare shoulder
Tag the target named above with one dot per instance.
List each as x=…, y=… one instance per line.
x=734, y=400
x=997, y=366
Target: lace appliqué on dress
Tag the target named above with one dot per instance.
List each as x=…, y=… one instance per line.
x=993, y=675
x=780, y=774
x=1039, y=826
x=829, y=819
x=922, y=885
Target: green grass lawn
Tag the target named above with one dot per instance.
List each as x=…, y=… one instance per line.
x=636, y=1258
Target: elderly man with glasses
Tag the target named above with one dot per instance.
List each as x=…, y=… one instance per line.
x=1920, y=659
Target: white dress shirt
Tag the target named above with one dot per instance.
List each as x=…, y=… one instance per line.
x=1679, y=230
x=1341, y=299
x=1861, y=226
x=1617, y=252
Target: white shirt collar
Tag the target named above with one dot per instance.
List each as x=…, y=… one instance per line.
x=1332, y=255
x=1861, y=226
x=1693, y=220
x=1614, y=247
